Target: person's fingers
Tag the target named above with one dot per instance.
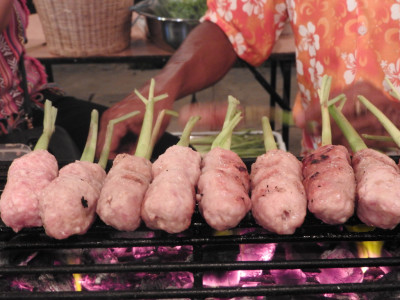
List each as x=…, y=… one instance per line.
x=212, y=115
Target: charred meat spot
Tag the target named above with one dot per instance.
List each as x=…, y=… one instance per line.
x=241, y=169
x=314, y=175
x=324, y=157
x=84, y=202
x=279, y=189
x=315, y=161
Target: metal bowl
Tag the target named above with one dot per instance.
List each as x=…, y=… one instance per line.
x=166, y=33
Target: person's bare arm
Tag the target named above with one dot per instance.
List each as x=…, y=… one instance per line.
x=204, y=58
x=6, y=7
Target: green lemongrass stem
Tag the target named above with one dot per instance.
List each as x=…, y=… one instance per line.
x=380, y=138
x=389, y=126
x=223, y=139
x=354, y=139
x=231, y=110
x=91, y=141
x=342, y=98
x=323, y=92
x=157, y=126
x=105, y=152
x=269, y=139
x=185, y=137
x=142, y=149
x=394, y=92
x=49, y=119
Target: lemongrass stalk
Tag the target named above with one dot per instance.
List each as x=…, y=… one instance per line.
x=394, y=92
x=142, y=149
x=185, y=137
x=354, y=139
x=223, y=139
x=91, y=141
x=157, y=126
x=323, y=92
x=269, y=140
x=389, y=126
x=340, y=98
x=105, y=152
x=49, y=119
x=231, y=110
x=380, y=138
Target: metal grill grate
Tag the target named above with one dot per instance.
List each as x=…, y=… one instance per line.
x=201, y=238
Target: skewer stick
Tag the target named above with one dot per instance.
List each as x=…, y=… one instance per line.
x=107, y=142
x=352, y=136
x=144, y=142
x=157, y=127
x=393, y=131
x=185, y=137
x=223, y=140
x=50, y=114
x=269, y=140
x=91, y=142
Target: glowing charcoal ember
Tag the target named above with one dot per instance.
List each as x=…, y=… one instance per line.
x=339, y=275
x=142, y=281
x=257, y=252
x=289, y=277
x=221, y=279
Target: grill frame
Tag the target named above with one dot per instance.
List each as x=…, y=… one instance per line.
x=198, y=236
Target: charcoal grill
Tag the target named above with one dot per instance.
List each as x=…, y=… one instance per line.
x=202, y=241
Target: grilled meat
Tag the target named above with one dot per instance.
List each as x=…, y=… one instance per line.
x=278, y=198
x=123, y=192
x=223, y=189
x=68, y=204
x=170, y=201
x=27, y=177
x=330, y=184
x=378, y=188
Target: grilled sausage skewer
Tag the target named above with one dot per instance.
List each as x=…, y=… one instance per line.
x=77, y=187
x=68, y=204
x=329, y=179
x=170, y=200
x=278, y=198
x=223, y=187
x=27, y=176
x=377, y=177
x=127, y=181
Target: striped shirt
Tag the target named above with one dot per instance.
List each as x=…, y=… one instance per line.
x=12, y=41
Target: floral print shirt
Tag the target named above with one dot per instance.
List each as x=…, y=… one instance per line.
x=351, y=40
x=12, y=41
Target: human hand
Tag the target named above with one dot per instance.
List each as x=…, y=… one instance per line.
x=363, y=121
x=212, y=114
x=126, y=133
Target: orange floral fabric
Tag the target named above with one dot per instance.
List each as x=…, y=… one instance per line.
x=352, y=41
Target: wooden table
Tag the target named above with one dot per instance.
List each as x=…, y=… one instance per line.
x=144, y=54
